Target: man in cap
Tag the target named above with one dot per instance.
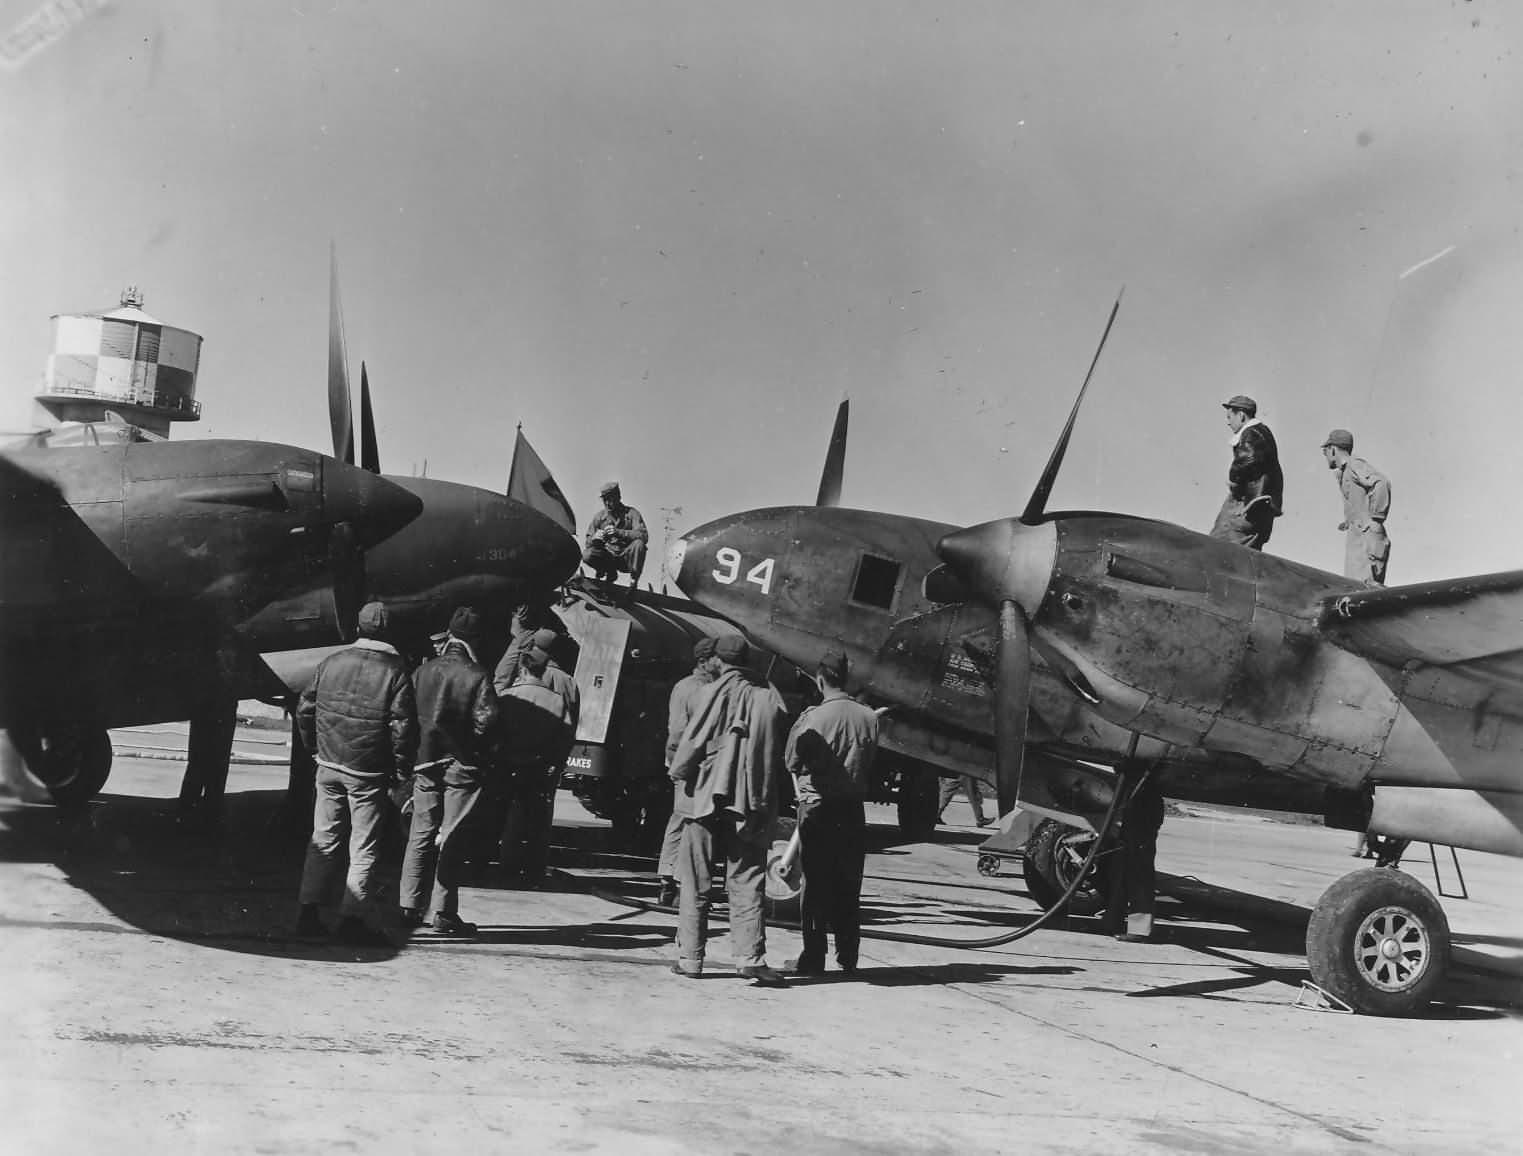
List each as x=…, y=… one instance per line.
x=539, y=715
x=830, y=755
x=360, y=719
x=457, y=720
x=728, y=763
x=679, y=710
x=1366, y=503
x=616, y=538
x=1255, y=485
x=529, y=618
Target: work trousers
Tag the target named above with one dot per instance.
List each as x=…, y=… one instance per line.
x=608, y=563
x=833, y=847
x=355, y=806
x=422, y=855
x=1246, y=525
x=1132, y=882
x=530, y=794
x=446, y=806
x=745, y=880
x=971, y=787
x=671, y=838
x=1366, y=553
x=463, y=808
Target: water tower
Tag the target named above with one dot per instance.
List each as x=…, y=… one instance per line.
x=125, y=363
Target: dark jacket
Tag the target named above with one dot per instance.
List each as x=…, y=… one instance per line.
x=1255, y=470
x=360, y=715
x=538, y=721
x=731, y=754
x=457, y=711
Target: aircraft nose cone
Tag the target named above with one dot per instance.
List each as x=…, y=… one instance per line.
x=1003, y=560
x=377, y=508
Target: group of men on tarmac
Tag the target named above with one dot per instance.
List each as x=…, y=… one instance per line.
x=453, y=738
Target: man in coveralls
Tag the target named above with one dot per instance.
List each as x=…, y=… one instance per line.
x=1366, y=504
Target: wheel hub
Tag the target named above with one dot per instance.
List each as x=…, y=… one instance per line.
x=1392, y=948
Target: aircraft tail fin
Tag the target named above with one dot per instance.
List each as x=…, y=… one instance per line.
x=835, y=460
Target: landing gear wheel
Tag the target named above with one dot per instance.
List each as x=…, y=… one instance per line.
x=988, y=864
x=917, y=798
x=783, y=887
x=1379, y=941
x=1054, y=854
x=72, y=764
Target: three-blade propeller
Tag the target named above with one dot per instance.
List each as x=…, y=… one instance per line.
x=1007, y=564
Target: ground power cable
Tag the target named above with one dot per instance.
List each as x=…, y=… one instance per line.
x=869, y=932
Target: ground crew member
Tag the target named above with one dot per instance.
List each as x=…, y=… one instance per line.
x=538, y=728
x=1255, y=484
x=830, y=755
x=529, y=619
x=457, y=721
x=616, y=538
x=360, y=719
x=972, y=788
x=1130, y=905
x=729, y=761
x=679, y=709
x=1366, y=503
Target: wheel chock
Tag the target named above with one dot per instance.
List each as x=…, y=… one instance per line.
x=1314, y=998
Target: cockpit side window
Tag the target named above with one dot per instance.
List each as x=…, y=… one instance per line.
x=876, y=582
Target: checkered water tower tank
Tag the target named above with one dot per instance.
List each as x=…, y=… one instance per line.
x=124, y=362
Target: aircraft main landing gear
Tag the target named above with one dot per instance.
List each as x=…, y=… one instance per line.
x=73, y=764
x=1379, y=941
x=1054, y=855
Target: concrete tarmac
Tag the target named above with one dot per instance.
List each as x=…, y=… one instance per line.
x=153, y=1001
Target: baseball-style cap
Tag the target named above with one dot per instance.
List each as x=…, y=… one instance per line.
x=373, y=620
x=1243, y=402
x=703, y=648
x=732, y=648
x=1340, y=438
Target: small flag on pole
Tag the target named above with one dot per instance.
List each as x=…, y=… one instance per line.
x=530, y=482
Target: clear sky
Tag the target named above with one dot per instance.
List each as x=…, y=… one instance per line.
x=668, y=237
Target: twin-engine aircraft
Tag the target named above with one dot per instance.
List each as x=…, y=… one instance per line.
x=1056, y=641
x=132, y=577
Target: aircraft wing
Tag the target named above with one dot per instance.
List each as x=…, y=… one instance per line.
x=1471, y=628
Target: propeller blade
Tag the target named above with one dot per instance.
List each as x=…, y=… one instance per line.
x=835, y=460
x=340, y=417
x=1037, y=506
x=1012, y=703
x=370, y=451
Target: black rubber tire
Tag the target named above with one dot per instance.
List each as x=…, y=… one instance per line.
x=1379, y=941
x=1047, y=871
x=75, y=766
x=917, y=801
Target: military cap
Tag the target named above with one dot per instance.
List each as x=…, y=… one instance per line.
x=732, y=648
x=545, y=639
x=1242, y=402
x=465, y=624
x=1340, y=438
x=373, y=620
x=834, y=664
x=608, y=488
x=703, y=648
